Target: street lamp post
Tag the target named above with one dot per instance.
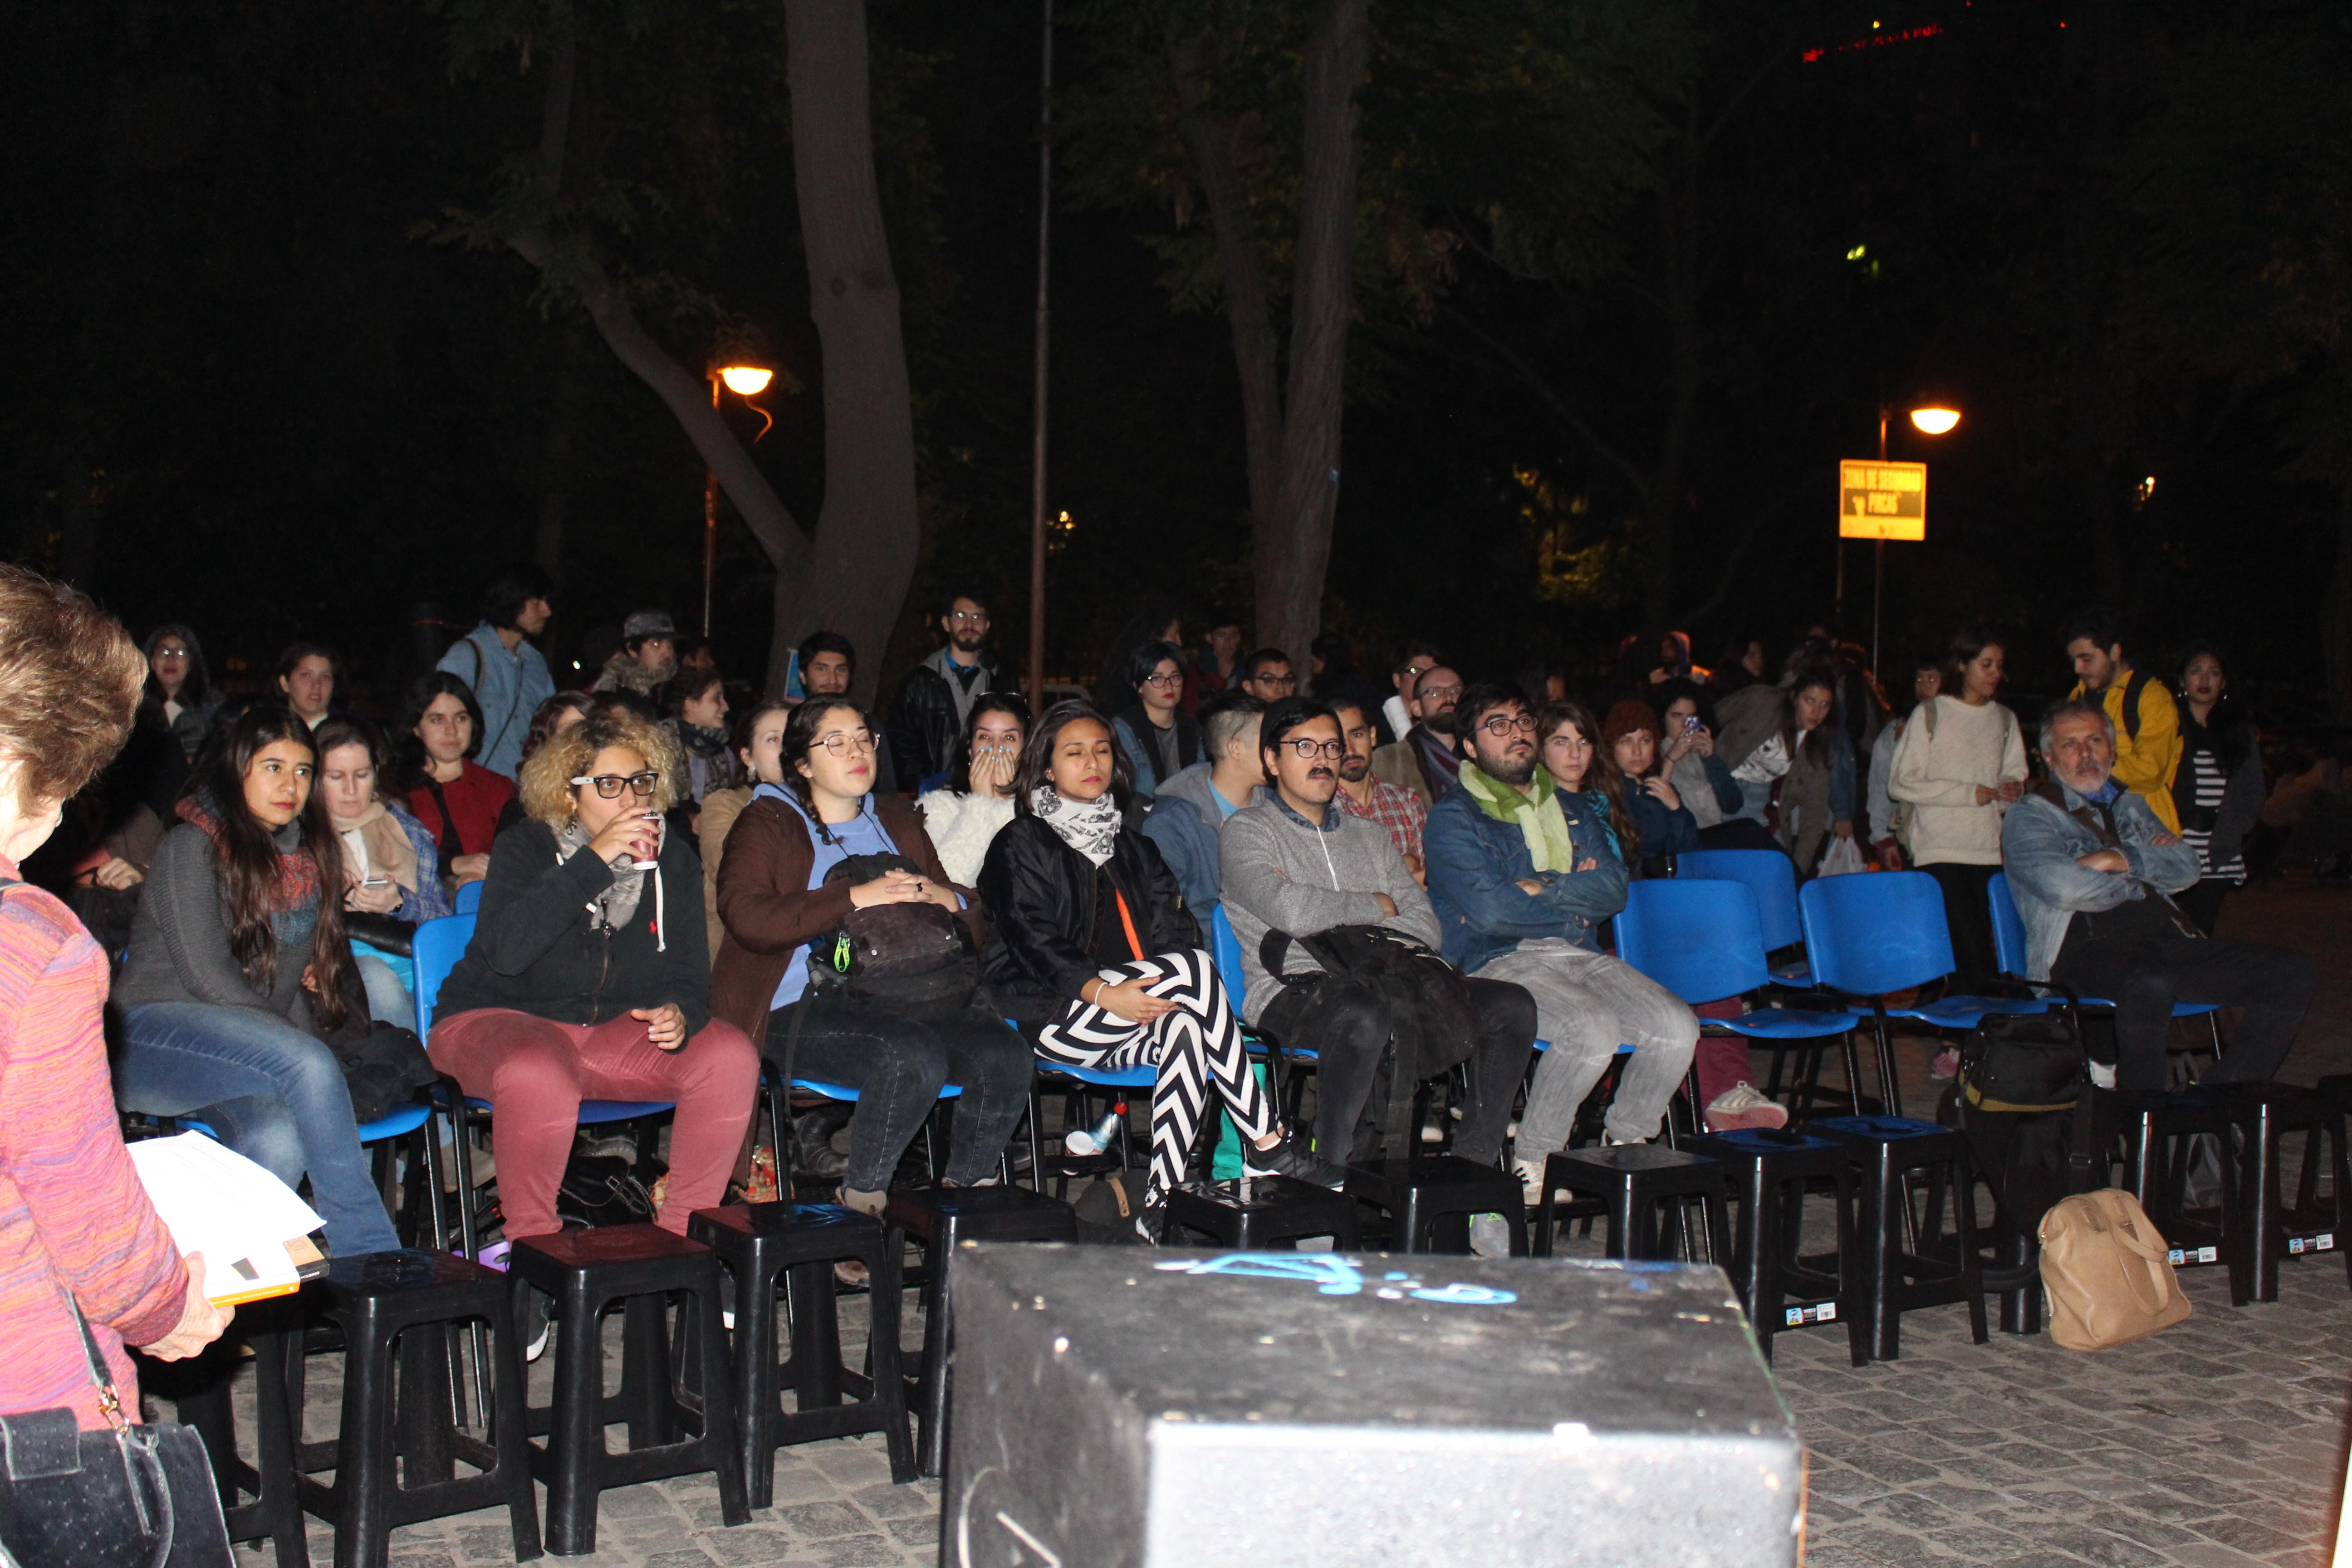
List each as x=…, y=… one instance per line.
x=1929, y=419
x=745, y=381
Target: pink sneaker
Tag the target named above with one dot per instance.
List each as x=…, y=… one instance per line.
x=1742, y=1106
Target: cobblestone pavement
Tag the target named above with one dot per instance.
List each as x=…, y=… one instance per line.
x=2218, y=1442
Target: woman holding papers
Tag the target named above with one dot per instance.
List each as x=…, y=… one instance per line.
x=74, y=1223
x=234, y=954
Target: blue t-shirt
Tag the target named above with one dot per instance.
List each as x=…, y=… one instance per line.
x=862, y=835
x=1226, y=808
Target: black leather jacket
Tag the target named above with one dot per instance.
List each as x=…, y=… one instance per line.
x=1043, y=898
x=924, y=728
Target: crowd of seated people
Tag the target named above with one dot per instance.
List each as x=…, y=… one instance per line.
x=661, y=872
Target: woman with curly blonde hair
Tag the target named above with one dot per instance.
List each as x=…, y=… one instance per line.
x=589, y=974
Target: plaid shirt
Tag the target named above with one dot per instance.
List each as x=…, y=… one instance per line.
x=1398, y=810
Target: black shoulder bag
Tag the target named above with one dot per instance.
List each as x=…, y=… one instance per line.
x=917, y=959
x=1430, y=1009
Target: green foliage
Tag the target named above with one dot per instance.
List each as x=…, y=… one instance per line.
x=1522, y=126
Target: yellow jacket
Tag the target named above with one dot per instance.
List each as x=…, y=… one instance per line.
x=2147, y=753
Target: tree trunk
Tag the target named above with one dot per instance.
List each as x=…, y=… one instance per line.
x=1679, y=233
x=563, y=409
x=867, y=532
x=1211, y=136
x=2337, y=635
x=1294, y=543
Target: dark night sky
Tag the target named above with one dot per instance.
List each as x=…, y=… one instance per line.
x=297, y=418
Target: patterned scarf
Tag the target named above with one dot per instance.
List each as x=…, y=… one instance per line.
x=1534, y=810
x=297, y=873
x=1089, y=827
x=612, y=907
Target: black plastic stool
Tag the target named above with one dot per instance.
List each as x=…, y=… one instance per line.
x=199, y=1387
x=2275, y=1229
x=400, y=1313
x=940, y=1217
x=640, y=1267
x=1633, y=1179
x=795, y=1245
x=1903, y=1275
x=2157, y=1129
x=1430, y=1200
x=1769, y=1167
x=1253, y=1214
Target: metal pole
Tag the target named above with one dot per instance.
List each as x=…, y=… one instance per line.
x=709, y=523
x=1044, y=322
x=1879, y=561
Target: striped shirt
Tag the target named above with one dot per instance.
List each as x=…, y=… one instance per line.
x=2197, y=826
x=73, y=1216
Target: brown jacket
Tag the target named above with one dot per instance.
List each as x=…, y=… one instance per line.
x=766, y=903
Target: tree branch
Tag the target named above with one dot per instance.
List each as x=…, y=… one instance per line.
x=1559, y=407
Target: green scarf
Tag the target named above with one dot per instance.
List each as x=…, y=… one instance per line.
x=1535, y=810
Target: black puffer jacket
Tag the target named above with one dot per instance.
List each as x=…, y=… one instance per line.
x=533, y=950
x=1046, y=903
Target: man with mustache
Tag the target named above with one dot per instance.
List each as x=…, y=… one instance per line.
x=1295, y=863
x=1400, y=811
x=2092, y=869
x=1520, y=873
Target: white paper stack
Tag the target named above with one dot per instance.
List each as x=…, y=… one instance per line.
x=253, y=1229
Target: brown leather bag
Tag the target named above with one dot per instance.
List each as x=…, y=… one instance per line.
x=2106, y=1272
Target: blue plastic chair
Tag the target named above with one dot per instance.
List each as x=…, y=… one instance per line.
x=2009, y=951
x=469, y=898
x=1883, y=932
x=1703, y=940
x=1772, y=878
x=436, y=948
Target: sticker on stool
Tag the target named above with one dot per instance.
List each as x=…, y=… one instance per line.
x=1337, y=1276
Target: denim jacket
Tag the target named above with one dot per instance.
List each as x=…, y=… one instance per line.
x=1476, y=862
x=2040, y=846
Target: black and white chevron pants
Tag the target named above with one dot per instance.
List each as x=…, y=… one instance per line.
x=1195, y=1046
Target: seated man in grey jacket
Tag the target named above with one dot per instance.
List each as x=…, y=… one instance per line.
x=1295, y=863
x=2092, y=870
x=1188, y=817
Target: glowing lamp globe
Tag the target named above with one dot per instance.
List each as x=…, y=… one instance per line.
x=744, y=380
x=1935, y=421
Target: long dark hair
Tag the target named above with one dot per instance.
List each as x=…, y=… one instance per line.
x=1602, y=775
x=2231, y=729
x=246, y=861
x=339, y=730
x=1814, y=742
x=1961, y=652
x=422, y=693
x=800, y=739
x=1013, y=702
x=195, y=687
x=1037, y=754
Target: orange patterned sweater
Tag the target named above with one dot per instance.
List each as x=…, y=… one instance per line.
x=73, y=1216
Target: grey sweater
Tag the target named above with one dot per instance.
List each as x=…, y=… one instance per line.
x=178, y=939
x=1281, y=872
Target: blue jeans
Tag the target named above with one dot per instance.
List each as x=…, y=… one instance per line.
x=272, y=1092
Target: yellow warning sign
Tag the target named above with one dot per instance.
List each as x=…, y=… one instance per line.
x=1881, y=500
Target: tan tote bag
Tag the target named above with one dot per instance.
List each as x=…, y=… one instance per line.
x=2105, y=1270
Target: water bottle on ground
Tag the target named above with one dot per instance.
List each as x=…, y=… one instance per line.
x=1096, y=1139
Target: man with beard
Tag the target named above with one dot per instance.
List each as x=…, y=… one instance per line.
x=1520, y=873
x=926, y=722
x=2092, y=870
x=1400, y=811
x=1294, y=864
x=1426, y=762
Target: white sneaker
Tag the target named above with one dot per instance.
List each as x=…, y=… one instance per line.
x=1489, y=1235
x=1530, y=1174
x=1742, y=1106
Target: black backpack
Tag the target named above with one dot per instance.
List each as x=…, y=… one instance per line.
x=916, y=959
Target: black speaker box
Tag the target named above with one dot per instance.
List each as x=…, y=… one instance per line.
x=1126, y=1408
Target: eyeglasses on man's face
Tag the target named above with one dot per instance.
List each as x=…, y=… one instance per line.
x=1286, y=681
x=841, y=742
x=1308, y=751
x=610, y=785
x=969, y=617
x=1502, y=725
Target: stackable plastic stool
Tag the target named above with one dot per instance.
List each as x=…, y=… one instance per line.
x=400, y=1313
x=639, y=1267
x=2157, y=1130
x=1430, y=1198
x=795, y=1245
x=1901, y=1274
x=1633, y=1180
x=199, y=1387
x=1257, y=1214
x=1781, y=1288
x=940, y=1217
x=2274, y=1228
